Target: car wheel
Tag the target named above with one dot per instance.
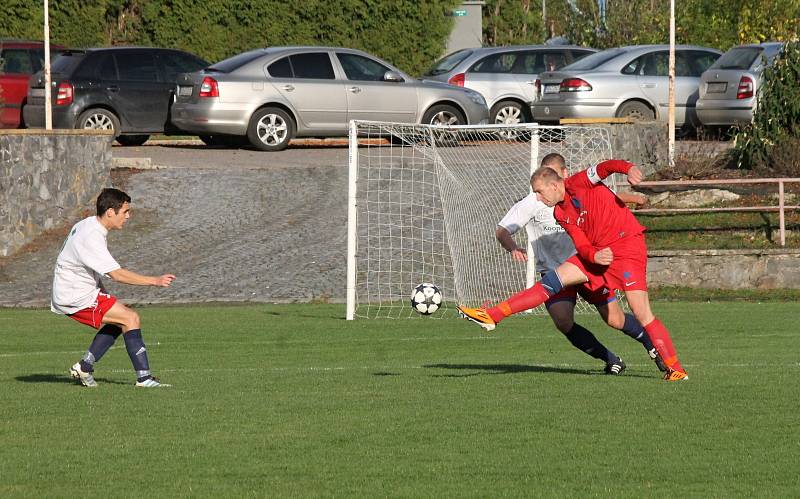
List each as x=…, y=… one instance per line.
x=443, y=115
x=270, y=129
x=98, y=119
x=132, y=140
x=636, y=110
x=509, y=112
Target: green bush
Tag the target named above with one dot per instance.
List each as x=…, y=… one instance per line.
x=771, y=143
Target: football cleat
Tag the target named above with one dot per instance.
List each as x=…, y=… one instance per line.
x=86, y=378
x=675, y=375
x=478, y=316
x=655, y=357
x=615, y=368
x=151, y=382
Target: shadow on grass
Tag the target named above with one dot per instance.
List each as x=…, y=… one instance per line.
x=513, y=369
x=60, y=378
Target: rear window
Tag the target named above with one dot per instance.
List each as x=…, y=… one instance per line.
x=448, y=62
x=595, y=60
x=235, y=62
x=738, y=58
x=67, y=62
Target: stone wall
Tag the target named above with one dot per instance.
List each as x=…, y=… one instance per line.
x=644, y=144
x=47, y=177
x=726, y=269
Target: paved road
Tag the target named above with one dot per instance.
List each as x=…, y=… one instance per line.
x=232, y=224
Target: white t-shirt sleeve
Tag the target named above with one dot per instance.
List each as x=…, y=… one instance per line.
x=95, y=255
x=520, y=214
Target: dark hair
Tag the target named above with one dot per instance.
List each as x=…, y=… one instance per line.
x=545, y=173
x=111, y=198
x=554, y=159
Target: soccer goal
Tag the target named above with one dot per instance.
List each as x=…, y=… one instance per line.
x=424, y=203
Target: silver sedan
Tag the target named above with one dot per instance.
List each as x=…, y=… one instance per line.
x=728, y=89
x=272, y=95
x=625, y=82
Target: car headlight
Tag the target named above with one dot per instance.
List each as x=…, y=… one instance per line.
x=476, y=98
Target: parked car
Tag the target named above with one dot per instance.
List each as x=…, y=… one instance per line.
x=128, y=90
x=625, y=82
x=19, y=59
x=505, y=76
x=729, y=88
x=274, y=94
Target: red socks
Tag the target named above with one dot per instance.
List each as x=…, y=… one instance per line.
x=524, y=300
x=663, y=343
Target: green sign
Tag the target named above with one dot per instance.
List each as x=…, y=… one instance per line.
x=459, y=13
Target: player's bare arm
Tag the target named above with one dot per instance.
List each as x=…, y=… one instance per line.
x=604, y=256
x=126, y=276
x=508, y=243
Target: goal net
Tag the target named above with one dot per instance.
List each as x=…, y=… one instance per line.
x=425, y=202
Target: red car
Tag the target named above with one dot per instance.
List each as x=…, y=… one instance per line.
x=19, y=59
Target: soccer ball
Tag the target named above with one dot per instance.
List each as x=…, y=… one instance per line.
x=426, y=298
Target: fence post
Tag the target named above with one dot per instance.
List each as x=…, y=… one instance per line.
x=780, y=212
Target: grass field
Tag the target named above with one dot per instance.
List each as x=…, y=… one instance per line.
x=291, y=400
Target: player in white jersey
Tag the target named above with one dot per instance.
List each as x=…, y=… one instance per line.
x=78, y=291
x=552, y=246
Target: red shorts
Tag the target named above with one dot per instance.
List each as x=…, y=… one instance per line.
x=628, y=271
x=93, y=316
x=600, y=296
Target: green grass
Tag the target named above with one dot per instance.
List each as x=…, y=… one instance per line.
x=291, y=400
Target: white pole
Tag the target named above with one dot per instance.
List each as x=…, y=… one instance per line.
x=530, y=268
x=671, y=103
x=48, y=104
x=351, y=221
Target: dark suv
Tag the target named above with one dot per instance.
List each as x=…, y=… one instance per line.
x=19, y=59
x=128, y=90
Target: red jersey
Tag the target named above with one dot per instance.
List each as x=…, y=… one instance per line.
x=593, y=216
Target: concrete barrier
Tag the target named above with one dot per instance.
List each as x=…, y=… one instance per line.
x=47, y=177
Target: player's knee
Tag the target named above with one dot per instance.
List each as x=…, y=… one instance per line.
x=132, y=320
x=563, y=324
x=617, y=321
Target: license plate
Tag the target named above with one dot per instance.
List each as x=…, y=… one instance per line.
x=37, y=92
x=185, y=91
x=716, y=87
x=552, y=89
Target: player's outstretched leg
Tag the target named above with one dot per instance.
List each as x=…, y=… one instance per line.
x=527, y=299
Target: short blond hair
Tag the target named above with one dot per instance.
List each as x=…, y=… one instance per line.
x=547, y=174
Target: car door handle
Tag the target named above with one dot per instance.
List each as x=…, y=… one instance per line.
x=532, y=82
x=288, y=88
x=113, y=88
x=354, y=90
x=649, y=85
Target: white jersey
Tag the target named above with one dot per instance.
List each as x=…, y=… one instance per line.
x=547, y=240
x=83, y=260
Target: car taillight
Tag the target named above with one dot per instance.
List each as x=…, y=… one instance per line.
x=457, y=80
x=209, y=87
x=745, y=90
x=574, y=85
x=64, y=94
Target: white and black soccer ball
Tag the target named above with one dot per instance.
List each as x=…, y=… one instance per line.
x=426, y=298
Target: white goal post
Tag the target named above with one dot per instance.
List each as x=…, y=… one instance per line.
x=424, y=202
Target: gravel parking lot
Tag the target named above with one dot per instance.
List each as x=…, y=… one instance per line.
x=233, y=225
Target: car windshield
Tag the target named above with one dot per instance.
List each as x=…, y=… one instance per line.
x=235, y=62
x=593, y=61
x=448, y=62
x=738, y=58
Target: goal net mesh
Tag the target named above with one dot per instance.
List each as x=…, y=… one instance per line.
x=427, y=203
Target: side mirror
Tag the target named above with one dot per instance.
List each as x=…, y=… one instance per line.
x=392, y=76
